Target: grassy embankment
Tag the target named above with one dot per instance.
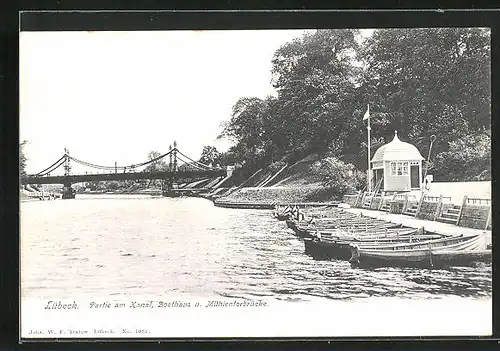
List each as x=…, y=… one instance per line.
x=294, y=184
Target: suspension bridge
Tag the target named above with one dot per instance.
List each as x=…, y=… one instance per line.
x=180, y=168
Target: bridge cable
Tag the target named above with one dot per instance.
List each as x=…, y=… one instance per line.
x=50, y=170
x=190, y=159
x=60, y=161
x=52, y=165
x=192, y=164
x=111, y=168
x=94, y=165
x=153, y=160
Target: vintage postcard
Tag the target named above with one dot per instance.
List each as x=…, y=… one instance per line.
x=255, y=183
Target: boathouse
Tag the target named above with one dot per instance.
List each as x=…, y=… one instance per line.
x=397, y=166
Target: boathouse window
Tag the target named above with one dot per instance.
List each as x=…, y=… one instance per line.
x=399, y=168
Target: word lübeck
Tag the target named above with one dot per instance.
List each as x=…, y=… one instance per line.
x=58, y=305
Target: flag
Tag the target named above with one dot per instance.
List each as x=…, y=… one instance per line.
x=367, y=113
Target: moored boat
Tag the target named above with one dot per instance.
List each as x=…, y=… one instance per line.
x=282, y=213
x=456, y=250
x=305, y=229
x=339, y=247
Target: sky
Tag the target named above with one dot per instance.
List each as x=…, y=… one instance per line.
x=115, y=96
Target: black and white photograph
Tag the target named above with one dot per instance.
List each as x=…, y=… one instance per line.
x=255, y=183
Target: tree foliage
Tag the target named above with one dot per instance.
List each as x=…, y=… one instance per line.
x=342, y=178
x=155, y=166
x=210, y=156
x=421, y=82
x=468, y=158
x=315, y=78
x=158, y=165
x=22, y=159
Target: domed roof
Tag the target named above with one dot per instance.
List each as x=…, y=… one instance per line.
x=397, y=150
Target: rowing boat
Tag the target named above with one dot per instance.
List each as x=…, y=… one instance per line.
x=307, y=229
x=456, y=250
x=339, y=247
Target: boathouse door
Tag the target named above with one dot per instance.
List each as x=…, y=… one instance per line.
x=379, y=175
x=414, y=176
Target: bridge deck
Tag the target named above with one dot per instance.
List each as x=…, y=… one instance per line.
x=80, y=178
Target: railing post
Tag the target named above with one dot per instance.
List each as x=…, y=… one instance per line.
x=438, y=208
x=488, y=219
x=382, y=198
x=422, y=197
x=363, y=198
x=357, y=199
x=405, y=204
x=464, y=201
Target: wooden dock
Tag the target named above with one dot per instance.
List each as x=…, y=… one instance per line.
x=270, y=205
x=412, y=222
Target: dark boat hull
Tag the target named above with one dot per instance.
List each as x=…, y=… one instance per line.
x=326, y=251
x=291, y=224
x=282, y=217
x=342, y=249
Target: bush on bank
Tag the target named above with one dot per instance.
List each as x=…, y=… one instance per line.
x=339, y=177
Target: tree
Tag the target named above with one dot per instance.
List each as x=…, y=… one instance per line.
x=249, y=128
x=316, y=78
x=420, y=82
x=158, y=165
x=22, y=159
x=468, y=158
x=428, y=81
x=210, y=156
x=155, y=166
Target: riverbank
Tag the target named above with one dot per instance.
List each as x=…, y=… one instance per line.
x=268, y=196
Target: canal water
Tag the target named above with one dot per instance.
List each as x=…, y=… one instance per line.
x=128, y=245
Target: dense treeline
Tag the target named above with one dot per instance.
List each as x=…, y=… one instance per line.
x=417, y=81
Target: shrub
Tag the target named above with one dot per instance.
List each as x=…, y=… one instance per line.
x=339, y=177
x=276, y=166
x=468, y=158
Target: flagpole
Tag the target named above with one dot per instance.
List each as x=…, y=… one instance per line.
x=369, y=156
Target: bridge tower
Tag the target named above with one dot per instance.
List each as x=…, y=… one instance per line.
x=68, y=191
x=175, y=156
x=67, y=166
x=170, y=158
x=172, y=167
